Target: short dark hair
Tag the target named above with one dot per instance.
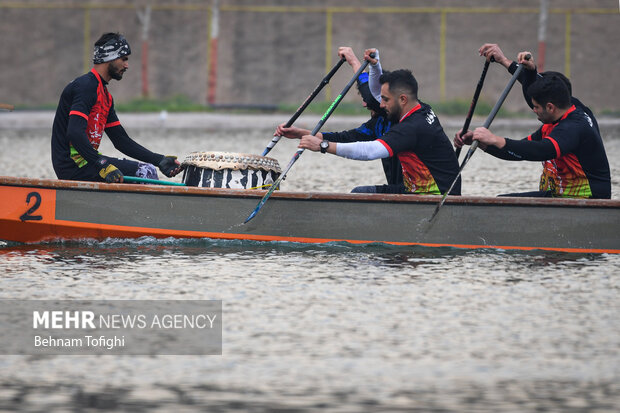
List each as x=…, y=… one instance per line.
x=550, y=89
x=106, y=37
x=400, y=81
x=561, y=77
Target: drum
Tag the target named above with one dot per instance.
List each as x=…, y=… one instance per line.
x=230, y=170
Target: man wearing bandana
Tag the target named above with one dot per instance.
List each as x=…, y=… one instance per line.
x=86, y=110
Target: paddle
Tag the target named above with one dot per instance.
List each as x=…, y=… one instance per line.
x=487, y=123
x=6, y=106
x=135, y=179
x=474, y=100
x=304, y=105
x=316, y=129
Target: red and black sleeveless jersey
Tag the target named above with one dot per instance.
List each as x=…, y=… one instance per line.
x=86, y=97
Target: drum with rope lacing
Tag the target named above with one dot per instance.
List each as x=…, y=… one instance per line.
x=230, y=170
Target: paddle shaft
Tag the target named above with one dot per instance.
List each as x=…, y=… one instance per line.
x=474, y=145
x=135, y=179
x=304, y=105
x=6, y=106
x=474, y=101
x=316, y=129
x=491, y=116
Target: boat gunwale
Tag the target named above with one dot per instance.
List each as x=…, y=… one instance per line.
x=46, y=183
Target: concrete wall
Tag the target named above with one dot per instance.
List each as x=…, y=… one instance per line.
x=277, y=55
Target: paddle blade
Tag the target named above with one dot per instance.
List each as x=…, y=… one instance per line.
x=264, y=199
x=252, y=215
x=275, y=185
x=273, y=142
x=437, y=209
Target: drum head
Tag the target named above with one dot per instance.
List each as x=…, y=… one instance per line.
x=231, y=160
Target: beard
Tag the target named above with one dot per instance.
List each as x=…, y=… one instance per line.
x=544, y=118
x=378, y=114
x=115, y=73
x=393, y=117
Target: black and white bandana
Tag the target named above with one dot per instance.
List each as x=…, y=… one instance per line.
x=111, y=50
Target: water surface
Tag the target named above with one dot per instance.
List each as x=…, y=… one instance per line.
x=335, y=327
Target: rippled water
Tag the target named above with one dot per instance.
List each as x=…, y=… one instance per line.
x=329, y=327
x=26, y=153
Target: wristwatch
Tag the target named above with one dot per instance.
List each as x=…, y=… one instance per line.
x=324, y=145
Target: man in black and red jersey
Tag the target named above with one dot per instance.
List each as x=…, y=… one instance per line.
x=416, y=137
x=569, y=145
x=86, y=110
x=530, y=74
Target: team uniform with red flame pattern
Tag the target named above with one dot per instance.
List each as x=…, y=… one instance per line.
x=424, y=151
x=85, y=111
x=574, y=161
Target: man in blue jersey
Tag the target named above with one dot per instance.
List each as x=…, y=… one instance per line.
x=372, y=129
x=86, y=110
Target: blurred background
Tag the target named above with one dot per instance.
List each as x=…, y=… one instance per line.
x=243, y=53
